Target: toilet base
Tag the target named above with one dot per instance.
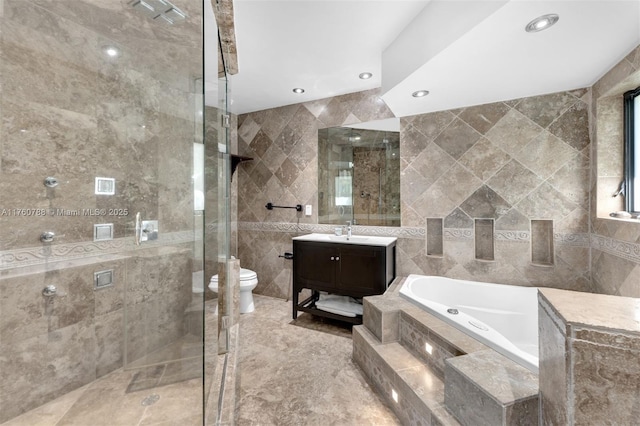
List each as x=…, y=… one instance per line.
x=248, y=281
x=246, y=302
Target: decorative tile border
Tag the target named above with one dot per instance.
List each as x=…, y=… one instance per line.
x=39, y=255
x=450, y=234
x=578, y=240
x=623, y=249
x=456, y=234
x=513, y=236
x=58, y=252
x=296, y=228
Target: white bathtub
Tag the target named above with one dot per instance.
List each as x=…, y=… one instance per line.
x=503, y=317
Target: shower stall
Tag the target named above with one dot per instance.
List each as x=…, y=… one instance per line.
x=112, y=201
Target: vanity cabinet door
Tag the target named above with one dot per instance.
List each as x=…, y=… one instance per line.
x=315, y=265
x=361, y=270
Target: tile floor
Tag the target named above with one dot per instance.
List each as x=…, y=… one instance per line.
x=301, y=372
x=105, y=402
x=290, y=373
x=160, y=393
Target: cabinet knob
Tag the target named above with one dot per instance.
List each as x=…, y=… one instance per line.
x=333, y=258
x=337, y=257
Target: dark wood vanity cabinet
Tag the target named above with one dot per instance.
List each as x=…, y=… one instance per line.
x=338, y=268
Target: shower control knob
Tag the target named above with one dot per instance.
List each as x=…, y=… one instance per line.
x=51, y=182
x=47, y=237
x=49, y=291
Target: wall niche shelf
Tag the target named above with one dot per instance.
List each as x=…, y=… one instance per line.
x=236, y=160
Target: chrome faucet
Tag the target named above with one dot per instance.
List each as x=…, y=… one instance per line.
x=348, y=229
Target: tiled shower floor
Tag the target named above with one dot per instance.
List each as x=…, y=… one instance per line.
x=157, y=394
x=106, y=402
x=290, y=373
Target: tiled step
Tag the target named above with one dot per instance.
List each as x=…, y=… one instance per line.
x=432, y=340
x=398, y=374
x=440, y=374
x=486, y=388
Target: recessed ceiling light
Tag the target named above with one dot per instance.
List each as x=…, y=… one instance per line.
x=541, y=23
x=298, y=90
x=111, y=51
x=365, y=75
x=420, y=93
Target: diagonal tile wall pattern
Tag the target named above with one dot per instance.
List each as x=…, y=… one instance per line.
x=509, y=161
x=513, y=162
x=284, y=145
x=615, y=244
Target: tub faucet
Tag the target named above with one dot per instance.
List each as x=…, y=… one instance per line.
x=348, y=229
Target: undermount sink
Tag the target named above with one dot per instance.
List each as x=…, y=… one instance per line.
x=366, y=240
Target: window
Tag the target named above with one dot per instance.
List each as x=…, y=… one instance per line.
x=343, y=188
x=632, y=149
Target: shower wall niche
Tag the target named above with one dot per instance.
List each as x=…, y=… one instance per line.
x=435, y=240
x=484, y=242
x=542, y=242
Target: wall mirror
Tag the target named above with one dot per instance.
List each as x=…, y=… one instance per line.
x=359, y=174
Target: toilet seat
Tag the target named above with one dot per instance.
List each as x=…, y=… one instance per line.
x=247, y=278
x=248, y=281
x=247, y=274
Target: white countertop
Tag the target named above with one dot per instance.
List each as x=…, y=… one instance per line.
x=363, y=240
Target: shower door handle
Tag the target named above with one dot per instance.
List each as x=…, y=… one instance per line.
x=138, y=229
x=146, y=230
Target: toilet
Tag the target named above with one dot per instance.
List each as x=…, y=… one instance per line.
x=248, y=281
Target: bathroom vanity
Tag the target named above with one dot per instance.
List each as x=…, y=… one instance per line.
x=356, y=267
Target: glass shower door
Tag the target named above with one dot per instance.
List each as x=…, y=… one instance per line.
x=101, y=253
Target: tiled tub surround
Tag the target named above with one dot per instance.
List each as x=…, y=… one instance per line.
x=615, y=265
x=589, y=358
x=513, y=162
x=589, y=364
x=432, y=367
x=503, y=317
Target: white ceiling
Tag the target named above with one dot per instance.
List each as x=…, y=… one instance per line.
x=464, y=52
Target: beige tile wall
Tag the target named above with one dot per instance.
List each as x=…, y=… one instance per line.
x=509, y=161
x=615, y=254
x=69, y=111
x=589, y=358
x=284, y=145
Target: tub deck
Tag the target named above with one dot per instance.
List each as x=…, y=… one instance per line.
x=430, y=365
x=503, y=317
